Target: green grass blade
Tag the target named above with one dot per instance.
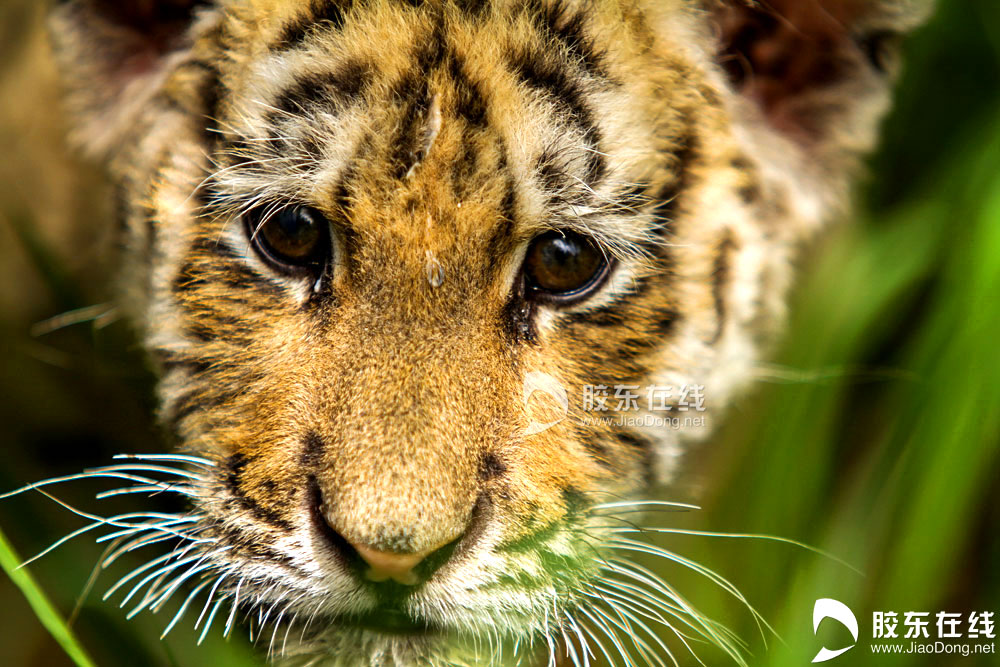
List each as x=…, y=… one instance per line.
x=43, y=608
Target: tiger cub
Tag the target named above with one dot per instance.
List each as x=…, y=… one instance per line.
x=423, y=279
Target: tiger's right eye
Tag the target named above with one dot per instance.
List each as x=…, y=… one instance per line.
x=292, y=239
x=563, y=267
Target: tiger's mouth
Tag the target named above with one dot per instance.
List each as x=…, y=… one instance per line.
x=388, y=620
x=390, y=615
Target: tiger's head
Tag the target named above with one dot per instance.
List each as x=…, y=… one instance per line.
x=433, y=287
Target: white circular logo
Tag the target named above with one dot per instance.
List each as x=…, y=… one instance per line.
x=545, y=383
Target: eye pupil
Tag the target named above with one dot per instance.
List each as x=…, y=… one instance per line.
x=292, y=232
x=293, y=237
x=563, y=266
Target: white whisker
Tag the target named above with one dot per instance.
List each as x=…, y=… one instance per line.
x=208, y=622
x=184, y=606
x=180, y=458
x=752, y=536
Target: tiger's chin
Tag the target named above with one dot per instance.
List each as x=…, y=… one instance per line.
x=380, y=642
x=344, y=643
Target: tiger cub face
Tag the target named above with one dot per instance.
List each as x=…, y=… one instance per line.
x=384, y=253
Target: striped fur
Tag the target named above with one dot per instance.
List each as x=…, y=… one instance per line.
x=448, y=134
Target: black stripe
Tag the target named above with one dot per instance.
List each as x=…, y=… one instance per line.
x=501, y=242
x=331, y=12
x=575, y=500
x=632, y=348
x=470, y=102
x=491, y=467
x=352, y=77
x=665, y=321
x=214, y=246
x=201, y=331
x=243, y=544
x=313, y=448
x=205, y=323
x=568, y=28
x=644, y=448
x=412, y=94
x=236, y=466
x=750, y=192
x=879, y=47
x=212, y=260
x=669, y=200
x=329, y=89
x=199, y=365
x=189, y=278
x=540, y=72
x=122, y=207
x=343, y=199
x=240, y=276
x=499, y=245
x=434, y=49
x=152, y=233
x=199, y=273
x=473, y=8
x=553, y=178
x=518, y=318
x=720, y=280
x=608, y=315
x=635, y=442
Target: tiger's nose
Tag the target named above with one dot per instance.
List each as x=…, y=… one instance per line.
x=382, y=562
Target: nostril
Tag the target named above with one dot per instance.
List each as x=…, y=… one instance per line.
x=341, y=548
x=435, y=560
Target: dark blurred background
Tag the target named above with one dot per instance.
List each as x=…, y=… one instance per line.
x=874, y=434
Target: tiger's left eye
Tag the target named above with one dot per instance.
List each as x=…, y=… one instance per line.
x=292, y=238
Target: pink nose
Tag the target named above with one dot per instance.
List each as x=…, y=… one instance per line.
x=385, y=565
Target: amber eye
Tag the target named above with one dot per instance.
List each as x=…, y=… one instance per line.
x=563, y=267
x=293, y=238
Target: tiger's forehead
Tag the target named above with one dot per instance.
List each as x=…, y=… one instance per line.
x=379, y=112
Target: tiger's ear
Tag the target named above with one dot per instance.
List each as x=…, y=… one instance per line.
x=115, y=56
x=818, y=71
